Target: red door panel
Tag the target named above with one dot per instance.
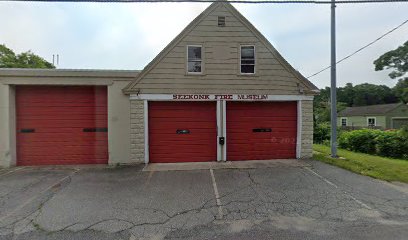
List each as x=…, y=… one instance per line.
x=261, y=130
x=51, y=122
x=196, y=145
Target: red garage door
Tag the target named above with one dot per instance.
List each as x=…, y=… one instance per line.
x=61, y=125
x=261, y=130
x=182, y=132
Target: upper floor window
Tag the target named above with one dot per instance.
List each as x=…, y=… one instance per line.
x=194, y=59
x=247, y=59
x=343, y=122
x=371, y=122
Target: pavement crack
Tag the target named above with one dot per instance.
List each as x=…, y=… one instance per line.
x=45, y=196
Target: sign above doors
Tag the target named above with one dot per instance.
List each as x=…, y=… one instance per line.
x=219, y=97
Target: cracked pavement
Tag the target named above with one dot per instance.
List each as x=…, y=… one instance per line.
x=281, y=202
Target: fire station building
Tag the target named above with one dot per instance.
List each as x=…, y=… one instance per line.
x=218, y=92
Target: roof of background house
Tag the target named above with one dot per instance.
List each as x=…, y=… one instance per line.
x=369, y=110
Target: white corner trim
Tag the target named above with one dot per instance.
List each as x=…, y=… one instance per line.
x=224, y=129
x=217, y=97
x=146, y=131
x=299, y=130
x=219, y=133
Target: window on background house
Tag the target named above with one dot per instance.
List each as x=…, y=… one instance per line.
x=343, y=122
x=194, y=59
x=247, y=59
x=371, y=122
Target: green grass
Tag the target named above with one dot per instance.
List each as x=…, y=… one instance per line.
x=383, y=168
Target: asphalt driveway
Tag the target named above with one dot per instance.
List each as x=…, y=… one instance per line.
x=313, y=201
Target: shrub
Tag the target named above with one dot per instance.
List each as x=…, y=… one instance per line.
x=342, y=140
x=363, y=140
x=404, y=131
x=321, y=133
x=392, y=144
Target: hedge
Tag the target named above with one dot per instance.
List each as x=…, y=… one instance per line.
x=392, y=144
x=321, y=133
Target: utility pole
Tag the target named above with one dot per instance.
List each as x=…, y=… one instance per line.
x=333, y=88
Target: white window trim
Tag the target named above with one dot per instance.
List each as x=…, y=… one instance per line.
x=239, y=59
x=202, y=59
x=341, y=121
x=375, y=121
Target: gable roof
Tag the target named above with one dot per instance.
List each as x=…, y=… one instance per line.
x=369, y=110
x=132, y=87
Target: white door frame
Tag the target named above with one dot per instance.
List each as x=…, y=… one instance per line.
x=146, y=130
x=299, y=130
x=219, y=130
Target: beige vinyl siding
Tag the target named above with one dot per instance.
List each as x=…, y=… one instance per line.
x=137, y=143
x=221, y=46
x=307, y=129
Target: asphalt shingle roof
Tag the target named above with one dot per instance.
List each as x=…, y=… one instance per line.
x=368, y=110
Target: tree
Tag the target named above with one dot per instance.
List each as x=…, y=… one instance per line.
x=370, y=94
x=8, y=59
x=397, y=60
x=346, y=94
x=401, y=89
x=322, y=106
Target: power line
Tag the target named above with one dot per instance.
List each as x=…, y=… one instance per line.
x=230, y=1
x=251, y=2
x=360, y=49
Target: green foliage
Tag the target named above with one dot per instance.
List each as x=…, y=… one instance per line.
x=321, y=132
x=401, y=89
x=349, y=96
x=363, y=140
x=360, y=95
x=392, y=144
x=374, y=166
x=8, y=59
x=404, y=131
x=396, y=59
x=371, y=94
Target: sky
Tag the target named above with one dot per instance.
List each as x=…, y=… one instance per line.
x=130, y=35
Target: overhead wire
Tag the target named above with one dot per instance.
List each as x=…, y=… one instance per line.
x=253, y=2
x=362, y=48
x=230, y=1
